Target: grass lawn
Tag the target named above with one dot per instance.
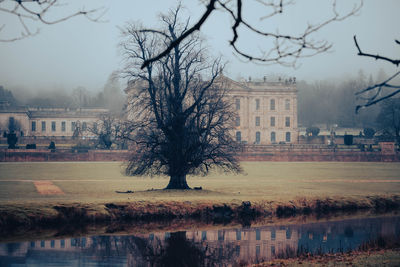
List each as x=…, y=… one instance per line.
x=97, y=182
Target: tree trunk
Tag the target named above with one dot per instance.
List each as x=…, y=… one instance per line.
x=177, y=182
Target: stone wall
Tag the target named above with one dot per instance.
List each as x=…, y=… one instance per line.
x=250, y=153
x=16, y=155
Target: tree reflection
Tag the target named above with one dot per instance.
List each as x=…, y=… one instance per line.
x=175, y=250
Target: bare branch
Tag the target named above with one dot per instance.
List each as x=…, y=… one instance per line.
x=378, y=88
x=360, y=53
x=36, y=11
x=196, y=27
x=288, y=48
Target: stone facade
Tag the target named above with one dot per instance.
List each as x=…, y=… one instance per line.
x=266, y=111
x=49, y=122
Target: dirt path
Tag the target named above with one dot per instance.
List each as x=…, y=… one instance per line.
x=47, y=188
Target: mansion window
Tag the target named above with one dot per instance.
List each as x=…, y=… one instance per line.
x=33, y=126
x=287, y=104
x=43, y=126
x=272, y=121
x=73, y=126
x=84, y=126
x=53, y=126
x=287, y=136
x=258, y=137
x=63, y=126
x=203, y=235
x=287, y=121
x=257, y=121
x=257, y=104
x=238, y=137
x=237, y=121
x=237, y=103
x=272, y=104
x=238, y=235
x=273, y=137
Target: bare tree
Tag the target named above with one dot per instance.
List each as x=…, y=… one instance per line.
x=114, y=100
x=77, y=130
x=383, y=90
x=13, y=125
x=182, y=119
x=287, y=47
x=40, y=11
x=389, y=118
x=107, y=129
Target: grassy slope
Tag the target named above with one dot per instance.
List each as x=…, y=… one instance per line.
x=268, y=185
x=97, y=182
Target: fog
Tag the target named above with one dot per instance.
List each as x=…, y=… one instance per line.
x=79, y=52
x=80, y=55
x=111, y=97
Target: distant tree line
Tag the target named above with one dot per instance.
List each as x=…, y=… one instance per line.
x=334, y=102
x=111, y=97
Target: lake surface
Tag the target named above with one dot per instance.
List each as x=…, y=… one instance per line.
x=216, y=247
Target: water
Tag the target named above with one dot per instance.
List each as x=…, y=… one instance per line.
x=216, y=247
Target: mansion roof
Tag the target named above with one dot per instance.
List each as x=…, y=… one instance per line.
x=35, y=113
x=235, y=86
x=260, y=86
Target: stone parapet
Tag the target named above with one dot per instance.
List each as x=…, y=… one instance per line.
x=248, y=154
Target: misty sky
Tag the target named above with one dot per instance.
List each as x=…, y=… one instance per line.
x=79, y=52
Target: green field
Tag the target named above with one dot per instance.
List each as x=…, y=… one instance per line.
x=97, y=182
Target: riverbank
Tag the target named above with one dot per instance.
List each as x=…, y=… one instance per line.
x=20, y=219
x=372, y=257
x=47, y=195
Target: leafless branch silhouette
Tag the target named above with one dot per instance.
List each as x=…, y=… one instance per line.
x=38, y=11
x=287, y=48
x=379, y=91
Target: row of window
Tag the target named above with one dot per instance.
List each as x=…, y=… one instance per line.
x=258, y=137
x=221, y=234
x=272, y=121
x=54, y=126
x=271, y=104
x=75, y=242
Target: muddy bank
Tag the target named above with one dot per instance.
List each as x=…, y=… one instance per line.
x=381, y=257
x=111, y=217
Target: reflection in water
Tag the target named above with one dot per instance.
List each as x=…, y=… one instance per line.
x=223, y=247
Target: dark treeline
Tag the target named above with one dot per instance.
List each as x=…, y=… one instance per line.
x=110, y=97
x=334, y=102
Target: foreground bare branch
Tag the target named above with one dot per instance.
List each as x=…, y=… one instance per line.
x=37, y=11
x=380, y=91
x=287, y=48
x=376, y=56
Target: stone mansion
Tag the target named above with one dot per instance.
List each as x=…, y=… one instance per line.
x=266, y=111
x=266, y=114
x=48, y=122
